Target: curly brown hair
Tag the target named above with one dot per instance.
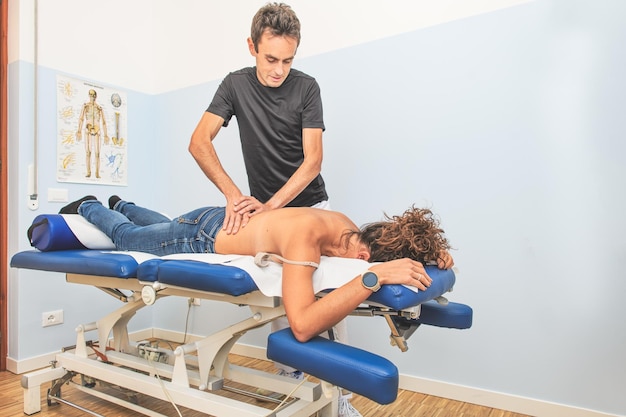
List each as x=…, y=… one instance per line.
x=415, y=234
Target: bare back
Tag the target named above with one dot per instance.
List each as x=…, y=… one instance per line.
x=305, y=234
x=296, y=233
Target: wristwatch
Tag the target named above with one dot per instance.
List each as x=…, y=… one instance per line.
x=370, y=281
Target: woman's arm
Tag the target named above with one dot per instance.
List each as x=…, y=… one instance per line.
x=309, y=316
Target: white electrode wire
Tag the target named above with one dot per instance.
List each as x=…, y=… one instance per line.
x=306, y=378
x=33, y=196
x=163, y=387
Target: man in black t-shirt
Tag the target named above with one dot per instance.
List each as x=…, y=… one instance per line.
x=280, y=118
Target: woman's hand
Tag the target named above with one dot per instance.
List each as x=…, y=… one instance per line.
x=402, y=271
x=444, y=260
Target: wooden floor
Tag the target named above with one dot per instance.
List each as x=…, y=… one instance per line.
x=408, y=404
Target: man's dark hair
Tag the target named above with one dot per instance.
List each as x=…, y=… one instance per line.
x=279, y=18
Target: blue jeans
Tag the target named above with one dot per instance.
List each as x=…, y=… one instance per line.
x=136, y=228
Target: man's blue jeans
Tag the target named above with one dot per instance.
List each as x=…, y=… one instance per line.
x=136, y=228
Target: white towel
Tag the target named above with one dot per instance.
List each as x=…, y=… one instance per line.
x=332, y=273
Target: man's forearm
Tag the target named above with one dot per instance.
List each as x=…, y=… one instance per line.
x=295, y=185
x=210, y=164
x=202, y=149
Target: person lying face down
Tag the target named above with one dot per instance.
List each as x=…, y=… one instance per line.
x=403, y=244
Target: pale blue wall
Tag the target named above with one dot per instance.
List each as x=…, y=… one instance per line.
x=32, y=292
x=509, y=125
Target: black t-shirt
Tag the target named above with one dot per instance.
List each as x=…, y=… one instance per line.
x=270, y=123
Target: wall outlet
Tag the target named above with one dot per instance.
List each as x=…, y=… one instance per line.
x=51, y=318
x=194, y=301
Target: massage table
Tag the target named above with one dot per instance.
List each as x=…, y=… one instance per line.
x=192, y=375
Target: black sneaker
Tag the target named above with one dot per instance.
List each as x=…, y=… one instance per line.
x=113, y=201
x=72, y=208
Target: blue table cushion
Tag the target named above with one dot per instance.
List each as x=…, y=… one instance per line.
x=78, y=261
x=354, y=369
x=223, y=279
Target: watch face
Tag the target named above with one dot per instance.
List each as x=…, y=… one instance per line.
x=370, y=279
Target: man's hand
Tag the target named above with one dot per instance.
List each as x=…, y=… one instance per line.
x=248, y=206
x=239, y=210
x=232, y=219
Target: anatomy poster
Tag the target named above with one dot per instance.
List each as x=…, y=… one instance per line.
x=91, y=133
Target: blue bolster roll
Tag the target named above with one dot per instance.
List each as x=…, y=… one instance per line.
x=356, y=370
x=50, y=232
x=57, y=232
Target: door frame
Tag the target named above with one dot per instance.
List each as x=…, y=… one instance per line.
x=4, y=11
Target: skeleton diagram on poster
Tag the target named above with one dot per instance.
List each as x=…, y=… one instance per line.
x=91, y=133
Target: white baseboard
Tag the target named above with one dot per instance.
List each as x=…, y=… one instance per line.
x=43, y=361
x=30, y=364
x=492, y=399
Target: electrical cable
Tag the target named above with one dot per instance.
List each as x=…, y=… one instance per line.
x=263, y=259
x=187, y=321
x=306, y=378
x=163, y=387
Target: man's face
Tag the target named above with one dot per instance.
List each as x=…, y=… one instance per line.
x=274, y=58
